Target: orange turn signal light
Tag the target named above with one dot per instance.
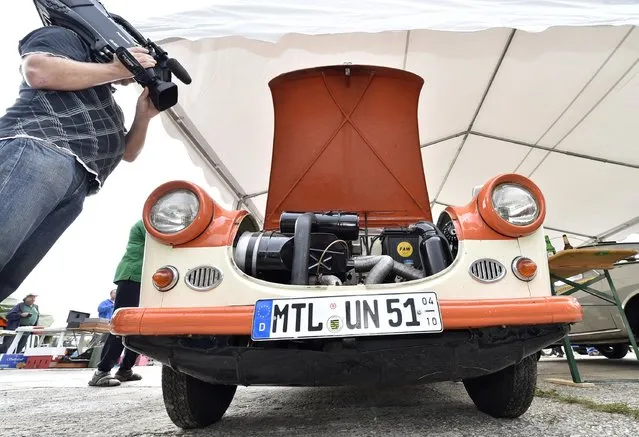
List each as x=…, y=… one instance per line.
x=165, y=278
x=524, y=268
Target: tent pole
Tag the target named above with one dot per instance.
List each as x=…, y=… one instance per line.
x=467, y=132
x=552, y=150
x=633, y=221
x=186, y=126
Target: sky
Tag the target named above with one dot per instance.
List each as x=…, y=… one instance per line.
x=77, y=273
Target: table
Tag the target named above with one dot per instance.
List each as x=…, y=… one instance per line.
x=572, y=262
x=60, y=333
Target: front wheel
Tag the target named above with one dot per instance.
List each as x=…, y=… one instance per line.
x=507, y=393
x=192, y=403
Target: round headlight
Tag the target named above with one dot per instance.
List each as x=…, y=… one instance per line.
x=174, y=211
x=515, y=204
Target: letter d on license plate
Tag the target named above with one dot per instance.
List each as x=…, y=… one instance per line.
x=346, y=316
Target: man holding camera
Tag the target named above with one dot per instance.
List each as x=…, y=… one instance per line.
x=59, y=142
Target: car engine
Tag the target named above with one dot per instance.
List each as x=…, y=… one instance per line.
x=329, y=248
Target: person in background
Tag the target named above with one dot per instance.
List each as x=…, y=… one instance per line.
x=592, y=351
x=26, y=313
x=105, y=309
x=128, y=277
x=557, y=350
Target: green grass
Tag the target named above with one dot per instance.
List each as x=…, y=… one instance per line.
x=614, y=408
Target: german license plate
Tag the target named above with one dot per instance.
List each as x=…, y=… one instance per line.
x=346, y=316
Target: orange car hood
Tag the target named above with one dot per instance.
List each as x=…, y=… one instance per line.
x=346, y=139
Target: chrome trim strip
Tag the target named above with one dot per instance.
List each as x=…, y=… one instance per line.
x=176, y=278
x=516, y=273
x=487, y=270
x=205, y=273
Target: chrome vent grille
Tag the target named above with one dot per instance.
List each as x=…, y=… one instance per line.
x=487, y=270
x=203, y=278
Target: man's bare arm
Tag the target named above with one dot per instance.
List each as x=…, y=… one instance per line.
x=135, y=138
x=43, y=71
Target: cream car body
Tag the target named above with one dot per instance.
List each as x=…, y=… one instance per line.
x=347, y=227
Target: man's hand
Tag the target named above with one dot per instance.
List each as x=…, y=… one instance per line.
x=124, y=82
x=25, y=314
x=145, y=110
x=142, y=56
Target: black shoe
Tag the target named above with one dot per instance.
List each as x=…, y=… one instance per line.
x=127, y=375
x=103, y=379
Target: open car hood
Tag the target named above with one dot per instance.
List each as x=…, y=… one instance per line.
x=346, y=139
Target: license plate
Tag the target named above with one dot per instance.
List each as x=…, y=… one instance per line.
x=346, y=316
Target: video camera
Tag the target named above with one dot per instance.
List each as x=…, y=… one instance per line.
x=110, y=35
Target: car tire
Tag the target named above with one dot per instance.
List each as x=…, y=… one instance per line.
x=507, y=393
x=192, y=403
x=613, y=351
x=632, y=314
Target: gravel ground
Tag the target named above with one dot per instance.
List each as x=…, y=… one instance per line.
x=58, y=402
x=615, y=381
x=612, y=392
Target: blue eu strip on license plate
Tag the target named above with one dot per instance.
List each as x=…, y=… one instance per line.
x=262, y=319
x=346, y=316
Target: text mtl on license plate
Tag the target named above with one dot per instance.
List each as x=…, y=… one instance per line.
x=347, y=316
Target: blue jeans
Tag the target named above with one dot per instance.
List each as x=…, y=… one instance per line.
x=42, y=191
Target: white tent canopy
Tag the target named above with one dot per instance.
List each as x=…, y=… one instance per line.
x=548, y=89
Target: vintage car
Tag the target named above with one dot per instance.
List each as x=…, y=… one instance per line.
x=348, y=281
x=602, y=326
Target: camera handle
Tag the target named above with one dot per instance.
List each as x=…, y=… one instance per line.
x=163, y=94
x=143, y=76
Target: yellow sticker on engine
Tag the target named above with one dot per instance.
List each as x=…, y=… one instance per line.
x=405, y=249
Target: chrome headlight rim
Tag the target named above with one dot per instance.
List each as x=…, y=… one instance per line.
x=155, y=211
x=203, y=218
x=495, y=221
x=515, y=186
